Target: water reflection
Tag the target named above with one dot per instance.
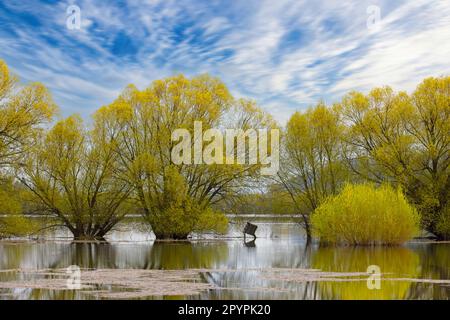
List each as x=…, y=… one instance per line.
x=250, y=243
x=186, y=255
x=434, y=264
x=393, y=262
x=279, y=245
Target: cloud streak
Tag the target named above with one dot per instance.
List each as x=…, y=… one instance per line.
x=284, y=54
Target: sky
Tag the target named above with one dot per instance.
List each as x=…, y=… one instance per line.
x=285, y=54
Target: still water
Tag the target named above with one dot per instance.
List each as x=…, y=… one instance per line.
x=277, y=265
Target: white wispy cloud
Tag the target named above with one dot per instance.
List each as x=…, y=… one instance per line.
x=286, y=54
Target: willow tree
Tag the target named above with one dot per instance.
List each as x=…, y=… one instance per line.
x=177, y=198
x=23, y=111
x=312, y=166
x=405, y=139
x=73, y=176
x=12, y=222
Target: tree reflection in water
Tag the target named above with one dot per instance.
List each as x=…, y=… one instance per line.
x=278, y=247
x=393, y=262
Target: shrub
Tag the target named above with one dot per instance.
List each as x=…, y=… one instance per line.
x=365, y=215
x=443, y=225
x=178, y=222
x=12, y=221
x=176, y=214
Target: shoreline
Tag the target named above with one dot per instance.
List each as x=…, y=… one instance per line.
x=196, y=240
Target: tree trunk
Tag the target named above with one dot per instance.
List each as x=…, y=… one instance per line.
x=83, y=236
x=307, y=227
x=167, y=236
x=308, y=239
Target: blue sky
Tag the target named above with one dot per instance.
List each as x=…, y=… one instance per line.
x=286, y=55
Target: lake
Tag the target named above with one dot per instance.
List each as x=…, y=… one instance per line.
x=277, y=265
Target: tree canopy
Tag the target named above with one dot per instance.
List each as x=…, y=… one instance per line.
x=88, y=177
x=24, y=110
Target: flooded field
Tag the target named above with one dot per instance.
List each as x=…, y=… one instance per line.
x=277, y=265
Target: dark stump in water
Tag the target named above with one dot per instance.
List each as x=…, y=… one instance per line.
x=250, y=229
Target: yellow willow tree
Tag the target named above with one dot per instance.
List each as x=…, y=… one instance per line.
x=406, y=140
x=13, y=222
x=73, y=177
x=177, y=199
x=23, y=111
x=312, y=164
